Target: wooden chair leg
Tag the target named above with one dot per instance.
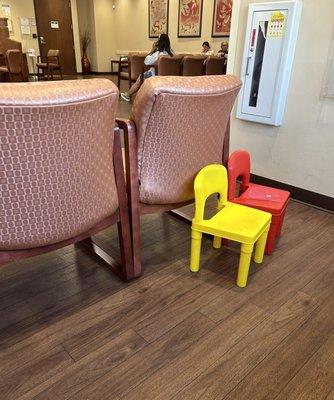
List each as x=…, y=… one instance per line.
x=130, y=141
x=61, y=73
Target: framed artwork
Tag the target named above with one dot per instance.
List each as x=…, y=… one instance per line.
x=157, y=17
x=222, y=14
x=190, y=18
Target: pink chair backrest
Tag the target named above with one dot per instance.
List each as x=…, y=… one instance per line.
x=193, y=65
x=238, y=166
x=137, y=66
x=181, y=124
x=56, y=172
x=170, y=66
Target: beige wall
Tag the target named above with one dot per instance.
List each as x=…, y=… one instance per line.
x=125, y=28
x=134, y=13
x=301, y=151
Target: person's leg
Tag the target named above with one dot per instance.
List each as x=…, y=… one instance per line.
x=134, y=89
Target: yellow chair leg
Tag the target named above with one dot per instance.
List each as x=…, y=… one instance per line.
x=244, y=263
x=217, y=242
x=260, y=247
x=196, y=241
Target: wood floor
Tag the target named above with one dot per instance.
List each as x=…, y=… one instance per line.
x=71, y=330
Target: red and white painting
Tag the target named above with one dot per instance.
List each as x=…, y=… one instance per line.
x=222, y=15
x=190, y=18
x=158, y=17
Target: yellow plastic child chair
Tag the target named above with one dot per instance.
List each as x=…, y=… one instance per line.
x=232, y=221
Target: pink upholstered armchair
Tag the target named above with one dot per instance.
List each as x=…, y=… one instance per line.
x=61, y=168
x=178, y=125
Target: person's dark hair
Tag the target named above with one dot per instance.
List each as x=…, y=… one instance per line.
x=164, y=44
x=206, y=44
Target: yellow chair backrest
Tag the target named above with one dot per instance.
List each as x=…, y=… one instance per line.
x=211, y=179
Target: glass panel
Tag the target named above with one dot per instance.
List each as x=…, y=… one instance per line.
x=259, y=52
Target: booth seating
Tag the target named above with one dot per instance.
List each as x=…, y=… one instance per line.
x=51, y=65
x=167, y=141
x=14, y=65
x=272, y=200
x=79, y=188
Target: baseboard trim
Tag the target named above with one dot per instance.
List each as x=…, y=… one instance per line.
x=306, y=196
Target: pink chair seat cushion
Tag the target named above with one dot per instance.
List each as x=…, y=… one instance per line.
x=264, y=198
x=57, y=178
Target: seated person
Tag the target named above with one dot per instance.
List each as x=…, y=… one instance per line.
x=160, y=48
x=206, y=49
x=223, y=52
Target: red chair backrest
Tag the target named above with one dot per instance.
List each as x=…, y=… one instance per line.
x=238, y=166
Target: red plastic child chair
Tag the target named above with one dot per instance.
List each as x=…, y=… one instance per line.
x=261, y=197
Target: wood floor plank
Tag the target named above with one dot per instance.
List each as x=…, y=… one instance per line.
x=203, y=353
x=269, y=378
x=223, y=376
x=86, y=371
x=21, y=353
x=18, y=382
x=150, y=359
x=206, y=338
x=315, y=379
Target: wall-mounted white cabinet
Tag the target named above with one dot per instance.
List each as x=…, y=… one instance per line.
x=270, y=42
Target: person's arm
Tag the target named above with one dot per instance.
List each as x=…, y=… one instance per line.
x=151, y=59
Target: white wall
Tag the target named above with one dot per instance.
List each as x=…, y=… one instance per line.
x=301, y=151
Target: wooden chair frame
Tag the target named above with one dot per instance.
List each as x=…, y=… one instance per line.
x=121, y=217
x=48, y=68
x=136, y=208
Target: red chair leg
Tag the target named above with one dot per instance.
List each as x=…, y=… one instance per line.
x=271, y=239
x=279, y=228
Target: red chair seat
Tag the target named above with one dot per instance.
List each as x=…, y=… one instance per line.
x=264, y=198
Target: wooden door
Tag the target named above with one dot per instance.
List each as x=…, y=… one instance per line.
x=54, y=27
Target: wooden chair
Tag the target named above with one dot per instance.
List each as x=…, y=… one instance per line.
x=214, y=66
x=193, y=65
x=163, y=155
x=66, y=181
x=51, y=65
x=170, y=66
x=14, y=65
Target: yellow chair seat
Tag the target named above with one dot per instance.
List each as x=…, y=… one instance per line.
x=235, y=222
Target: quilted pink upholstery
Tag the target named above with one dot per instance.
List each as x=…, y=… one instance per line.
x=56, y=171
x=181, y=124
